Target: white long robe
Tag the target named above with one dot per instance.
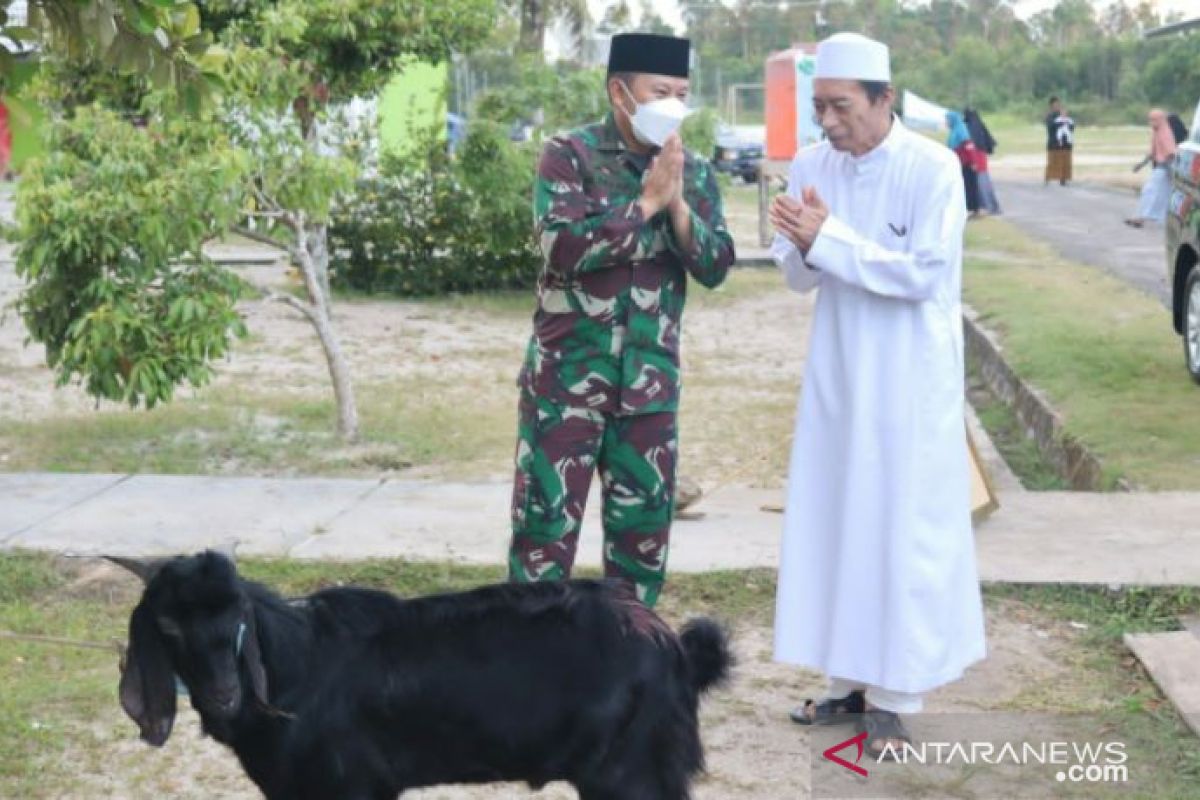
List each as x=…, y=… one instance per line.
x=877, y=580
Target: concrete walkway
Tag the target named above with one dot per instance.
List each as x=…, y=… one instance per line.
x=1052, y=537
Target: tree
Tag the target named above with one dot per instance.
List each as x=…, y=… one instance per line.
x=617, y=17
x=1069, y=22
x=110, y=226
x=292, y=59
x=536, y=15
x=652, y=22
x=1118, y=20
x=104, y=295
x=161, y=39
x=1172, y=73
x=970, y=67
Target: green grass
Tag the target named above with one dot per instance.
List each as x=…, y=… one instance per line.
x=1108, y=613
x=44, y=687
x=1102, y=352
x=1019, y=451
x=1107, y=682
x=405, y=423
x=503, y=303
x=1104, y=154
x=1025, y=137
x=58, y=707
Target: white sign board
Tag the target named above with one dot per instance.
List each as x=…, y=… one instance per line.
x=807, y=130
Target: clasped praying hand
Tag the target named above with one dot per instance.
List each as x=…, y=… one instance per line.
x=799, y=221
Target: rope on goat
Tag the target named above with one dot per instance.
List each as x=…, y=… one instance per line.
x=113, y=646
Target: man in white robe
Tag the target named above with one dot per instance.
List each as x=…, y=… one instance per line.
x=878, y=586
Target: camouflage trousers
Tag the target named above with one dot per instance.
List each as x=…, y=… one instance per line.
x=558, y=450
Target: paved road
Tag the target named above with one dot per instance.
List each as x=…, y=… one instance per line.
x=1085, y=224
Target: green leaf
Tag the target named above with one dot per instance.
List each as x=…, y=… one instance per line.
x=185, y=21
x=214, y=60
x=143, y=19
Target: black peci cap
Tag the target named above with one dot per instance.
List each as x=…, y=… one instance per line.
x=651, y=53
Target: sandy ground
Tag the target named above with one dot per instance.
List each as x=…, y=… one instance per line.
x=397, y=343
x=383, y=340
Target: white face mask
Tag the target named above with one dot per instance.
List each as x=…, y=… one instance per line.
x=653, y=122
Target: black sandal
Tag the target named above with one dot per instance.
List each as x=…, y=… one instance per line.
x=881, y=728
x=830, y=712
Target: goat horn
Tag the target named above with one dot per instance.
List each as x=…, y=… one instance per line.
x=144, y=568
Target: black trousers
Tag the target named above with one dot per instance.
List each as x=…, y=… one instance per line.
x=971, y=186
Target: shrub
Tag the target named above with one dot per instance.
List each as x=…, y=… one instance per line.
x=700, y=132
x=432, y=224
x=109, y=226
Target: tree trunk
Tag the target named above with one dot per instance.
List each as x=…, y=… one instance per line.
x=339, y=373
x=312, y=254
x=533, y=26
x=317, y=238
x=316, y=281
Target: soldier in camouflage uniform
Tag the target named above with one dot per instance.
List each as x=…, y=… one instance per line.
x=625, y=216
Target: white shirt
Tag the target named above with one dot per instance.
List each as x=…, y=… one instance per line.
x=877, y=579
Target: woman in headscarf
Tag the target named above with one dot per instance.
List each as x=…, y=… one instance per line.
x=1157, y=191
x=960, y=142
x=985, y=145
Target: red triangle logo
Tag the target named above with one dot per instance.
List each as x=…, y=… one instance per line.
x=831, y=754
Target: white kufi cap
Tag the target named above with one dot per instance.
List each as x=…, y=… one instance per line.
x=853, y=56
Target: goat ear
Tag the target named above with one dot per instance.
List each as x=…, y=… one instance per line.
x=252, y=655
x=148, y=680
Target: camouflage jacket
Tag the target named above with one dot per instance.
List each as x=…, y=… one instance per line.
x=613, y=284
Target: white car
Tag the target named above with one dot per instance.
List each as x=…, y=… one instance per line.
x=1183, y=246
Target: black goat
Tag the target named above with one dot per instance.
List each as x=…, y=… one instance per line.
x=351, y=693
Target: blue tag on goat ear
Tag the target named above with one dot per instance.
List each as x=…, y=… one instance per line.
x=241, y=638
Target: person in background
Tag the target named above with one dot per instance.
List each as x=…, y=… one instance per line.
x=1157, y=190
x=1060, y=143
x=985, y=145
x=959, y=140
